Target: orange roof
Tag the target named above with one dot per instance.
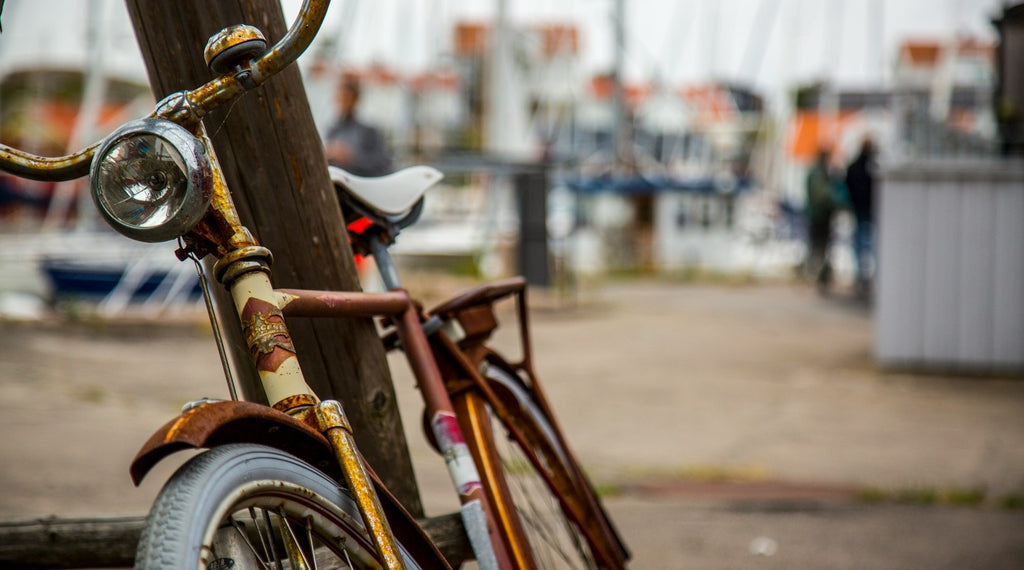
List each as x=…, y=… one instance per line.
x=603, y=87
x=559, y=38
x=919, y=53
x=711, y=102
x=470, y=38
x=925, y=53
x=45, y=126
x=375, y=74
x=442, y=79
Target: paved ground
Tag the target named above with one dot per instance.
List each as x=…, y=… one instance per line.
x=734, y=427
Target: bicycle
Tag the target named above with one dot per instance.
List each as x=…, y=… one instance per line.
x=285, y=485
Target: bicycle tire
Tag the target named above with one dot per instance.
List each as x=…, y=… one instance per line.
x=526, y=501
x=193, y=522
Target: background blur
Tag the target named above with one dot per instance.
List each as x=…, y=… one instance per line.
x=643, y=163
x=598, y=138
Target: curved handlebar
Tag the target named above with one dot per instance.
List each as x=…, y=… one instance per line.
x=47, y=169
x=189, y=106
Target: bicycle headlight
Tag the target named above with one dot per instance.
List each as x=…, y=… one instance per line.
x=151, y=180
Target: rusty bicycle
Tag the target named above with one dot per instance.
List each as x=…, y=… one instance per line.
x=284, y=485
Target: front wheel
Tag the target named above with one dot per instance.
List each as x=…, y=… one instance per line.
x=246, y=506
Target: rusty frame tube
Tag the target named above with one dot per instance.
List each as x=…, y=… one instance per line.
x=269, y=342
x=475, y=421
x=44, y=168
x=333, y=304
x=331, y=420
x=477, y=510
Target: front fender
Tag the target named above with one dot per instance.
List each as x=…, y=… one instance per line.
x=219, y=423
x=214, y=424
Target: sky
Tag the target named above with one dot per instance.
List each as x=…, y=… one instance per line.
x=769, y=44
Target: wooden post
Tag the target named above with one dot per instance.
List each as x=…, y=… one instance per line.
x=274, y=162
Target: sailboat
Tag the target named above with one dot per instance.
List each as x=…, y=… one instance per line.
x=67, y=84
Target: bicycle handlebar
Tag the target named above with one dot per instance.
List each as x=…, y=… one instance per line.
x=187, y=106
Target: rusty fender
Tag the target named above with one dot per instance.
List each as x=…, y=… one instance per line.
x=220, y=423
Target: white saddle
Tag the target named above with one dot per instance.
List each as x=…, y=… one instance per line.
x=390, y=195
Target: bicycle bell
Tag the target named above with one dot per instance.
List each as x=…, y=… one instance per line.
x=232, y=47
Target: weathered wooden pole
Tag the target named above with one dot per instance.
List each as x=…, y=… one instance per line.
x=274, y=162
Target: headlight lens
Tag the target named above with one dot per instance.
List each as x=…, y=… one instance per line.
x=151, y=180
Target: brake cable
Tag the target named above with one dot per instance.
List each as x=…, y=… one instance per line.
x=204, y=284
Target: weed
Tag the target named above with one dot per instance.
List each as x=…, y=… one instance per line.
x=1013, y=502
x=970, y=497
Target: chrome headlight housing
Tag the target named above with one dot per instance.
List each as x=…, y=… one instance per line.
x=151, y=180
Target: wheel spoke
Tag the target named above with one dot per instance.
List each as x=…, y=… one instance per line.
x=309, y=537
x=242, y=533
x=291, y=544
x=348, y=560
x=556, y=540
x=259, y=532
x=270, y=538
x=531, y=514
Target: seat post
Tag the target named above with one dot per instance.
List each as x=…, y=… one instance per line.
x=385, y=264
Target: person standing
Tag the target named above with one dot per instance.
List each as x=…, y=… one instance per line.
x=819, y=209
x=860, y=183
x=352, y=144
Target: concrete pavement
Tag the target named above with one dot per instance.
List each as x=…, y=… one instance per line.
x=734, y=427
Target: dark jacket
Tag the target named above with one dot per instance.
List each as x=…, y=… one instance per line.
x=371, y=156
x=860, y=183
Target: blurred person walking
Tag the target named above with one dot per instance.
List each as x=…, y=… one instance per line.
x=860, y=183
x=819, y=209
x=352, y=144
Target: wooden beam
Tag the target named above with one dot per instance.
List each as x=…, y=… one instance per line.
x=110, y=542
x=69, y=543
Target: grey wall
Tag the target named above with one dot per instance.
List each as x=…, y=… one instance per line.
x=950, y=283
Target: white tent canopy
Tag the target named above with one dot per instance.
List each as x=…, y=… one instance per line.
x=54, y=34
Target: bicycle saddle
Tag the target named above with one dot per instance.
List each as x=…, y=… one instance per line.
x=391, y=196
